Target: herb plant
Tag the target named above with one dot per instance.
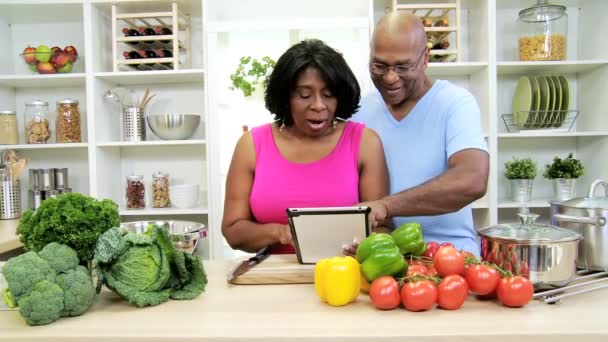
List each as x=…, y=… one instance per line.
x=251, y=73
x=520, y=169
x=568, y=167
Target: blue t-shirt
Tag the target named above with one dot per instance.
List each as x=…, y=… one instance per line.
x=445, y=120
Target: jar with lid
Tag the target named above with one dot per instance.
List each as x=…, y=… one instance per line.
x=9, y=134
x=37, y=130
x=160, y=190
x=135, y=192
x=543, y=29
x=67, y=124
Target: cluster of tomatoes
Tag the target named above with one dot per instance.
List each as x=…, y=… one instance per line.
x=444, y=276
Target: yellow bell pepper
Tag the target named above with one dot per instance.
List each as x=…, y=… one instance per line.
x=338, y=280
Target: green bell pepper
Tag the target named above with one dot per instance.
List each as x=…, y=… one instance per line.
x=408, y=238
x=379, y=256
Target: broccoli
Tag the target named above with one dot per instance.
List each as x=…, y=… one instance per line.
x=24, y=271
x=48, y=285
x=60, y=257
x=43, y=305
x=78, y=291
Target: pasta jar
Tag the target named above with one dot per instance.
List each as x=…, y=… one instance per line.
x=543, y=31
x=160, y=190
x=37, y=130
x=9, y=134
x=67, y=123
x=135, y=192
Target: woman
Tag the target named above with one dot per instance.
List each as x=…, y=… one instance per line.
x=309, y=157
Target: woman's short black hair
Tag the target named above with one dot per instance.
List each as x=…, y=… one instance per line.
x=334, y=70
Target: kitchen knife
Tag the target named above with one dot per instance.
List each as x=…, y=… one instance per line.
x=248, y=264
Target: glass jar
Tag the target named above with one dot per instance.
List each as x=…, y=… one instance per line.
x=160, y=190
x=9, y=134
x=543, y=31
x=67, y=124
x=135, y=192
x=37, y=130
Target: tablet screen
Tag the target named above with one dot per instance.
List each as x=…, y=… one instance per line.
x=322, y=232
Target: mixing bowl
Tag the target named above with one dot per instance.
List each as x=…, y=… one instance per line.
x=185, y=234
x=172, y=126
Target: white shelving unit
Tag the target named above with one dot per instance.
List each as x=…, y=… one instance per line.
x=224, y=30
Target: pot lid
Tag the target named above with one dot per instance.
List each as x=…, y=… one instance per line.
x=541, y=12
x=529, y=232
x=585, y=202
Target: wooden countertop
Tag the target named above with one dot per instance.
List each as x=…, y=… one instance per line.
x=293, y=312
x=8, y=236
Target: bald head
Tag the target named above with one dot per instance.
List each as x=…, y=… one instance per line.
x=401, y=26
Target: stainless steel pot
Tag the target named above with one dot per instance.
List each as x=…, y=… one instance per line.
x=587, y=217
x=542, y=253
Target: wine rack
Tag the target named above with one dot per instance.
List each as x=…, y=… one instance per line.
x=442, y=26
x=150, y=40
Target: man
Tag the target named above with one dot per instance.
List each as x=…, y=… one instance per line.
x=431, y=131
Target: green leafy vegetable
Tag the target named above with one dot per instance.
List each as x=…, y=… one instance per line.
x=48, y=285
x=71, y=219
x=147, y=269
x=520, y=169
x=568, y=167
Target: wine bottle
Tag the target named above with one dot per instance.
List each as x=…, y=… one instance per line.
x=163, y=53
x=132, y=55
x=146, y=31
x=147, y=54
x=160, y=30
x=130, y=33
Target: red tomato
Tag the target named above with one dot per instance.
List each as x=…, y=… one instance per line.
x=419, y=296
x=384, y=293
x=448, y=261
x=431, y=249
x=431, y=270
x=452, y=292
x=481, y=279
x=417, y=269
x=467, y=255
x=514, y=291
x=449, y=244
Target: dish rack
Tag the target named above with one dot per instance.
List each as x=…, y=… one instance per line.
x=442, y=26
x=161, y=51
x=553, y=120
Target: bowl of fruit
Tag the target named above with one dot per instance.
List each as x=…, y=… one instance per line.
x=50, y=60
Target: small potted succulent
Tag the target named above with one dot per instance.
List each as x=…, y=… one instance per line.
x=564, y=173
x=251, y=74
x=521, y=173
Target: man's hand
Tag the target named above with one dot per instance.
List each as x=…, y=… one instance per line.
x=379, y=213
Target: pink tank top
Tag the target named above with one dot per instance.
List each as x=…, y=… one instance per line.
x=278, y=184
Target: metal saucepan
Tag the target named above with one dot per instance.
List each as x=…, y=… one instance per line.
x=543, y=253
x=587, y=217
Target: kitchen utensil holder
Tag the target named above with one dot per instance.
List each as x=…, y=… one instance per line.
x=550, y=120
x=61, y=178
x=10, y=200
x=133, y=125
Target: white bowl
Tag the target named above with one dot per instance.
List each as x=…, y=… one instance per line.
x=184, y=196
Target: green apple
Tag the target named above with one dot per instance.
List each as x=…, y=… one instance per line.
x=43, y=53
x=65, y=69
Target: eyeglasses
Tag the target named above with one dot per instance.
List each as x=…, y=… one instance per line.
x=380, y=69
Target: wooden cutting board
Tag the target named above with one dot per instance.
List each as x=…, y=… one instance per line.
x=277, y=269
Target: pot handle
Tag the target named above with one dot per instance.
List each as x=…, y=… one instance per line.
x=597, y=220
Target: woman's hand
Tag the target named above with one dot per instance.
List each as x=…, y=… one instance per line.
x=351, y=249
x=283, y=234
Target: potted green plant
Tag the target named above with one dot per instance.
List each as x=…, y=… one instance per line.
x=564, y=173
x=251, y=74
x=521, y=173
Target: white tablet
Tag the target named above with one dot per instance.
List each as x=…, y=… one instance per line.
x=322, y=232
